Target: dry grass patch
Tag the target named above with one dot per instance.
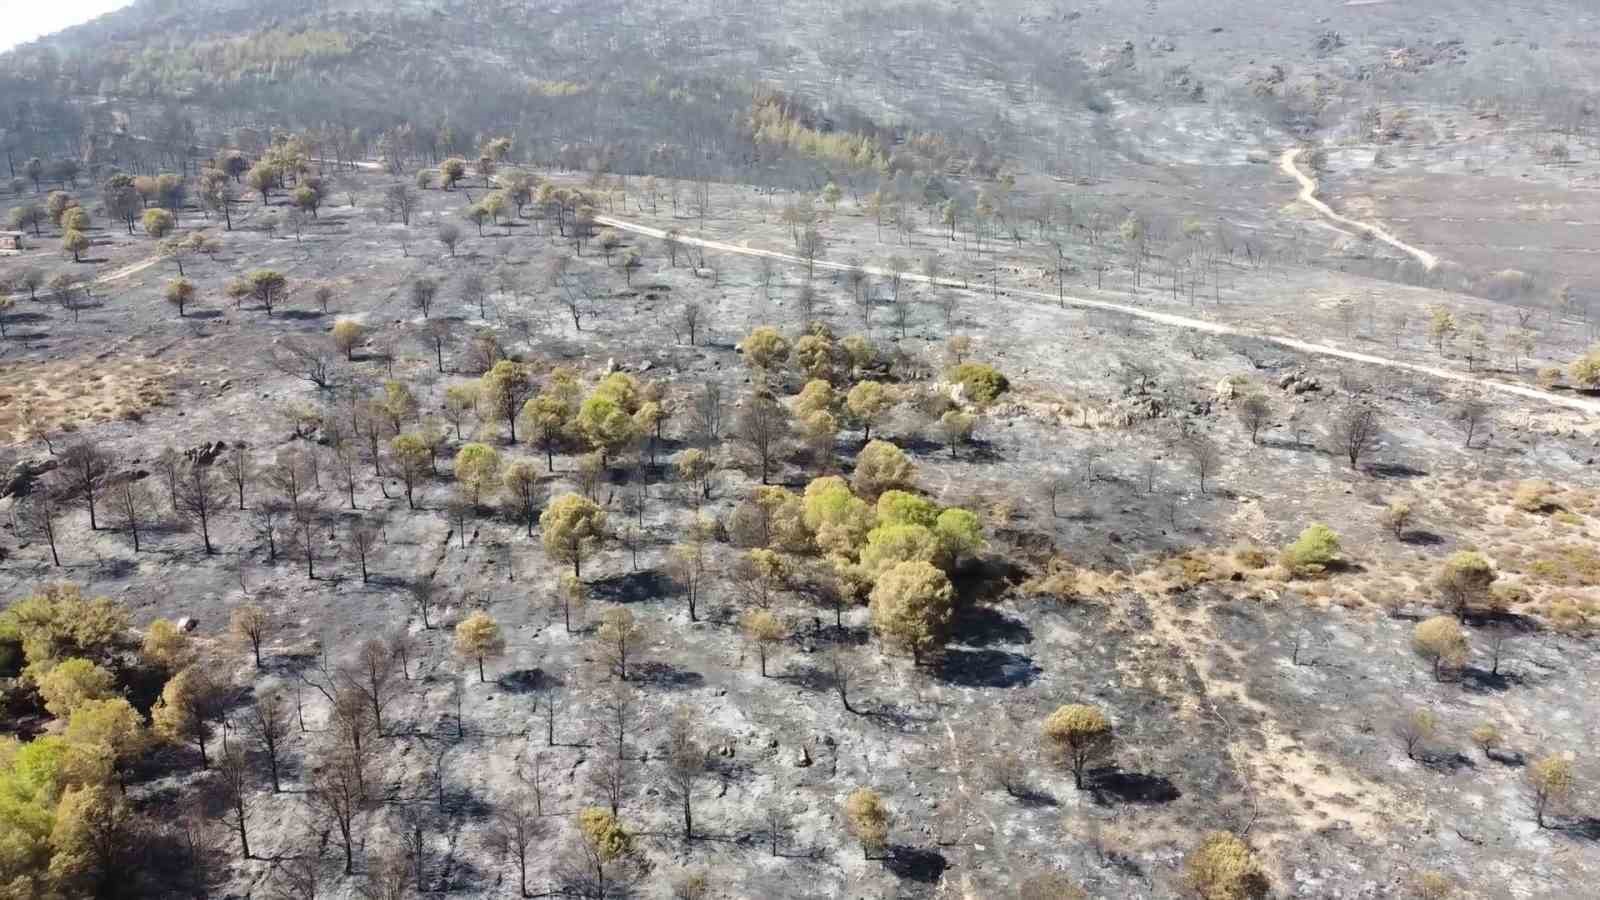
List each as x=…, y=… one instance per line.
x=60, y=396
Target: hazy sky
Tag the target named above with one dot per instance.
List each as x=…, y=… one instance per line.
x=31, y=18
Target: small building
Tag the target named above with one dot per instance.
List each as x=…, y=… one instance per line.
x=10, y=240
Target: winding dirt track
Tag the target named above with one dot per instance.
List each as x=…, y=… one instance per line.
x=1308, y=196
x=1175, y=321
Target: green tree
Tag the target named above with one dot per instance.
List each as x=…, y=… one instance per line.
x=503, y=390
x=572, y=528
x=104, y=737
x=765, y=349
x=1550, y=782
x=477, y=470
x=72, y=683
x=451, y=171
x=180, y=293
x=881, y=466
x=1464, y=581
x=1079, y=735
x=76, y=243
x=912, y=605
x=413, y=461
x=868, y=402
x=1441, y=642
x=158, y=223
x=184, y=712
x=478, y=636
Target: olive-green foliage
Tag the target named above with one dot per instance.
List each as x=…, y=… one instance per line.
x=890, y=545
x=906, y=508
x=572, y=527
x=1315, y=549
x=604, y=834
x=912, y=605
x=73, y=682
x=58, y=623
x=1464, y=581
x=980, y=383
x=765, y=349
x=881, y=466
x=1441, y=641
x=478, y=469
x=1224, y=868
x=838, y=520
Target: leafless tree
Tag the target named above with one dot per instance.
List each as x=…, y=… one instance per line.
x=85, y=468
x=616, y=711
x=131, y=505
x=686, y=763
x=1355, y=430
x=611, y=778
x=301, y=360
x=201, y=495
x=423, y=290
x=239, y=468
x=1469, y=416
x=516, y=827
x=1203, y=455
x=763, y=428
x=336, y=793
x=1253, y=411
x=689, y=316
x=266, y=722
x=233, y=783
x=41, y=512
x=363, y=538
x=424, y=596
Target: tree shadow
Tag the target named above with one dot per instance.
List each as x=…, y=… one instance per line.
x=1394, y=470
x=1483, y=681
x=1033, y=798
x=1446, y=763
x=666, y=675
x=205, y=314
x=524, y=681
x=1420, y=538
x=981, y=626
x=915, y=864
x=1111, y=784
x=1585, y=828
x=298, y=315
x=1511, y=759
x=807, y=678
x=985, y=668
x=632, y=587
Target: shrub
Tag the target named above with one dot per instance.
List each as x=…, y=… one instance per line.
x=980, y=383
x=1223, y=868
x=1585, y=370
x=1532, y=495
x=1441, y=641
x=1464, y=581
x=1315, y=549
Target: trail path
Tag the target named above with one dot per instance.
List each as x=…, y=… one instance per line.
x=1581, y=404
x=1308, y=196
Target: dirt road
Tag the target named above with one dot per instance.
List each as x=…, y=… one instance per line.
x=1308, y=196
x=1577, y=403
